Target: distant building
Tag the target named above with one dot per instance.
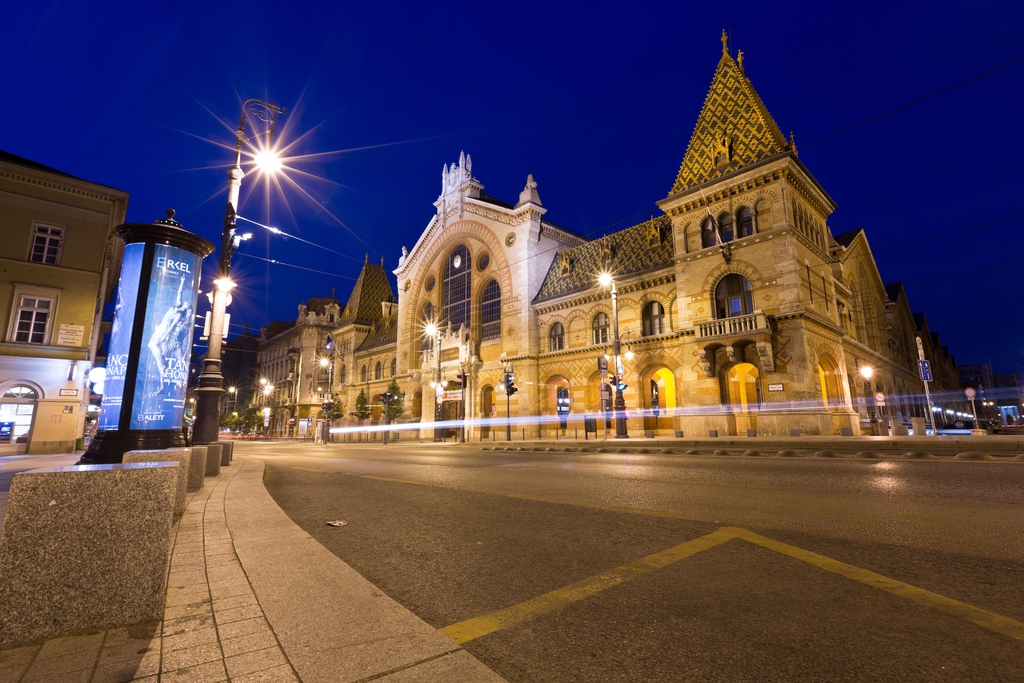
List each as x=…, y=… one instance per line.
x=238, y=358
x=59, y=259
x=1009, y=397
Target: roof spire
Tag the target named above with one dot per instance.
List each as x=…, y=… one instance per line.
x=792, y=143
x=725, y=43
x=739, y=58
x=367, y=259
x=381, y=261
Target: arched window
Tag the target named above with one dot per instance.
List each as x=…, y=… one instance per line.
x=21, y=391
x=726, y=225
x=654, y=319
x=344, y=374
x=557, y=337
x=746, y=221
x=394, y=367
x=732, y=297
x=362, y=373
x=707, y=234
x=425, y=319
x=600, y=326
x=490, y=312
x=378, y=371
x=458, y=275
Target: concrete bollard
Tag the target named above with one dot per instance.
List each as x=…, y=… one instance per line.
x=225, y=453
x=229, y=446
x=918, y=425
x=213, y=459
x=85, y=548
x=197, y=468
x=180, y=455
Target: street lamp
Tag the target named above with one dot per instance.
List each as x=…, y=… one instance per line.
x=606, y=280
x=432, y=330
x=211, y=381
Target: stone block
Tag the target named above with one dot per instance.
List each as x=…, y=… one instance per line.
x=648, y=434
x=180, y=455
x=794, y=432
x=918, y=425
x=713, y=433
x=899, y=429
x=85, y=547
x=225, y=453
x=230, y=447
x=678, y=433
x=213, y=459
x=751, y=432
x=197, y=468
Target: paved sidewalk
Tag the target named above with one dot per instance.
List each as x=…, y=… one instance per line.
x=251, y=597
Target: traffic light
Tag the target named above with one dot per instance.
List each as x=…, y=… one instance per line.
x=622, y=385
x=510, y=387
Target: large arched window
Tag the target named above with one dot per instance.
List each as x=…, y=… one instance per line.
x=490, y=312
x=732, y=297
x=746, y=221
x=378, y=371
x=344, y=374
x=707, y=234
x=458, y=275
x=394, y=367
x=727, y=226
x=600, y=326
x=557, y=337
x=362, y=373
x=654, y=319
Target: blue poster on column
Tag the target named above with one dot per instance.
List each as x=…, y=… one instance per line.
x=121, y=336
x=166, y=340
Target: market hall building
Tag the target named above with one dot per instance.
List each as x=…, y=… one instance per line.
x=760, y=319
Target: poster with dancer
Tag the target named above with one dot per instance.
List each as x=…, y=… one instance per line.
x=166, y=340
x=121, y=336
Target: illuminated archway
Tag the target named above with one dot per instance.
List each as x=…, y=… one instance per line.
x=828, y=380
x=658, y=391
x=743, y=387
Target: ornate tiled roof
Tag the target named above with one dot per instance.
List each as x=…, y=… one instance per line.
x=372, y=287
x=734, y=128
x=640, y=248
x=383, y=333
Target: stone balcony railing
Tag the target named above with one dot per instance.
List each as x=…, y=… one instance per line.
x=727, y=327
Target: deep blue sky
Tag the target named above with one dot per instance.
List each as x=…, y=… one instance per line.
x=597, y=101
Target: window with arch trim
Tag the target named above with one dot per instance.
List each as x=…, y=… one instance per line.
x=727, y=227
x=362, y=373
x=707, y=234
x=344, y=374
x=490, y=312
x=653, y=319
x=600, y=327
x=557, y=337
x=746, y=221
x=378, y=371
x=394, y=367
x=733, y=297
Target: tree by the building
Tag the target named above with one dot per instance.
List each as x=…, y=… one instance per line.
x=397, y=404
x=362, y=410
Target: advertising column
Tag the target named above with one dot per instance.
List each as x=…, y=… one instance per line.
x=150, y=340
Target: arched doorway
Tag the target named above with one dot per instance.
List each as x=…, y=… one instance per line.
x=17, y=409
x=486, y=410
x=743, y=394
x=559, y=402
x=659, y=399
x=828, y=381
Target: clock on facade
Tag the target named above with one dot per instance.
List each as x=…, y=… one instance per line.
x=510, y=239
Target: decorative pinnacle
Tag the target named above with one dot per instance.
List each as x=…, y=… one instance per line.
x=792, y=142
x=739, y=58
x=725, y=43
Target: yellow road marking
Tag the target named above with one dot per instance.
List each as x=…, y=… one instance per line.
x=984, y=618
x=464, y=631
x=697, y=483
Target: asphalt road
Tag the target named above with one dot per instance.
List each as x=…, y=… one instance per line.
x=606, y=567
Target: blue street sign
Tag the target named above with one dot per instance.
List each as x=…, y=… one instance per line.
x=925, y=368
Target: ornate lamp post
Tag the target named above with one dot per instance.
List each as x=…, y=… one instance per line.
x=433, y=330
x=211, y=381
x=606, y=280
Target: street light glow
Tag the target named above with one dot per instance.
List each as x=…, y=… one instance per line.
x=267, y=161
x=224, y=284
x=431, y=329
x=324, y=362
x=866, y=372
x=605, y=279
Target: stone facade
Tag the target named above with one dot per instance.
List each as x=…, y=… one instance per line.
x=738, y=309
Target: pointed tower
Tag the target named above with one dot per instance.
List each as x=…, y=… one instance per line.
x=734, y=128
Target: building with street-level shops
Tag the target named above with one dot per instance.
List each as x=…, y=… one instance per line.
x=59, y=260
x=738, y=308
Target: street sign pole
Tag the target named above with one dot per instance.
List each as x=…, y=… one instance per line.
x=971, y=393
x=927, y=394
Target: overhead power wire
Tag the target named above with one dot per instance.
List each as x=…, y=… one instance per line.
x=279, y=231
x=291, y=265
x=911, y=104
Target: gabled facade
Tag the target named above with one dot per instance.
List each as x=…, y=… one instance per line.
x=739, y=311
x=58, y=264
